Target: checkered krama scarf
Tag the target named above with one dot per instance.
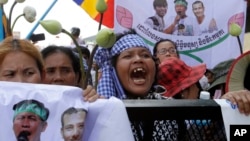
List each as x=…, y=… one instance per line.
x=109, y=84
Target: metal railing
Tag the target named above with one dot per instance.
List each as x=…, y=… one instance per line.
x=199, y=120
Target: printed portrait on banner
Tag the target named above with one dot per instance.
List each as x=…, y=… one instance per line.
x=200, y=28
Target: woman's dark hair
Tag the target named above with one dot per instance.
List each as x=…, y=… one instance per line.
x=85, y=51
x=68, y=52
x=164, y=40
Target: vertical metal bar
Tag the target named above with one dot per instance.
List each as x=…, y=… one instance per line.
x=43, y=16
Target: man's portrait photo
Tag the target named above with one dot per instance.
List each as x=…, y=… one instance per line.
x=30, y=120
x=72, y=121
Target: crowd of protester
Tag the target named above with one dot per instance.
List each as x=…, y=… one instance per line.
x=129, y=71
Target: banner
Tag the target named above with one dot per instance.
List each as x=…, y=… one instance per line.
x=33, y=112
x=51, y=112
x=232, y=116
x=208, y=42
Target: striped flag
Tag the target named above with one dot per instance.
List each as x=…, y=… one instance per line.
x=90, y=7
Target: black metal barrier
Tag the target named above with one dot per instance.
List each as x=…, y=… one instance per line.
x=198, y=120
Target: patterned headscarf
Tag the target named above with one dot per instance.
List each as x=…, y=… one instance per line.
x=31, y=106
x=109, y=84
x=181, y=2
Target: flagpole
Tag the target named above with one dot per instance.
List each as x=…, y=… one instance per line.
x=43, y=16
x=1, y=24
x=101, y=7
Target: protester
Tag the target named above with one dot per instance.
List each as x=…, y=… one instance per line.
x=219, y=74
x=30, y=120
x=238, y=83
x=20, y=61
x=62, y=67
x=72, y=121
x=180, y=80
x=75, y=32
x=156, y=22
x=145, y=68
x=165, y=48
x=130, y=74
x=183, y=82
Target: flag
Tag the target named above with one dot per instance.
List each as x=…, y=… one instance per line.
x=90, y=7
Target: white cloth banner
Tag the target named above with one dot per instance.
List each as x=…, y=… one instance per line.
x=231, y=115
x=106, y=119
x=200, y=45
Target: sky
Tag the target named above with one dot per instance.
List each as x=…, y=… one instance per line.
x=66, y=12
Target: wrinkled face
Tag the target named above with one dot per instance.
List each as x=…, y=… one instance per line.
x=30, y=123
x=161, y=10
x=73, y=126
x=59, y=70
x=136, y=70
x=165, y=50
x=180, y=9
x=19, y=67
x=198, y=10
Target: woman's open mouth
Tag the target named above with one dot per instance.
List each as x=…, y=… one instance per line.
x=138, y=76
